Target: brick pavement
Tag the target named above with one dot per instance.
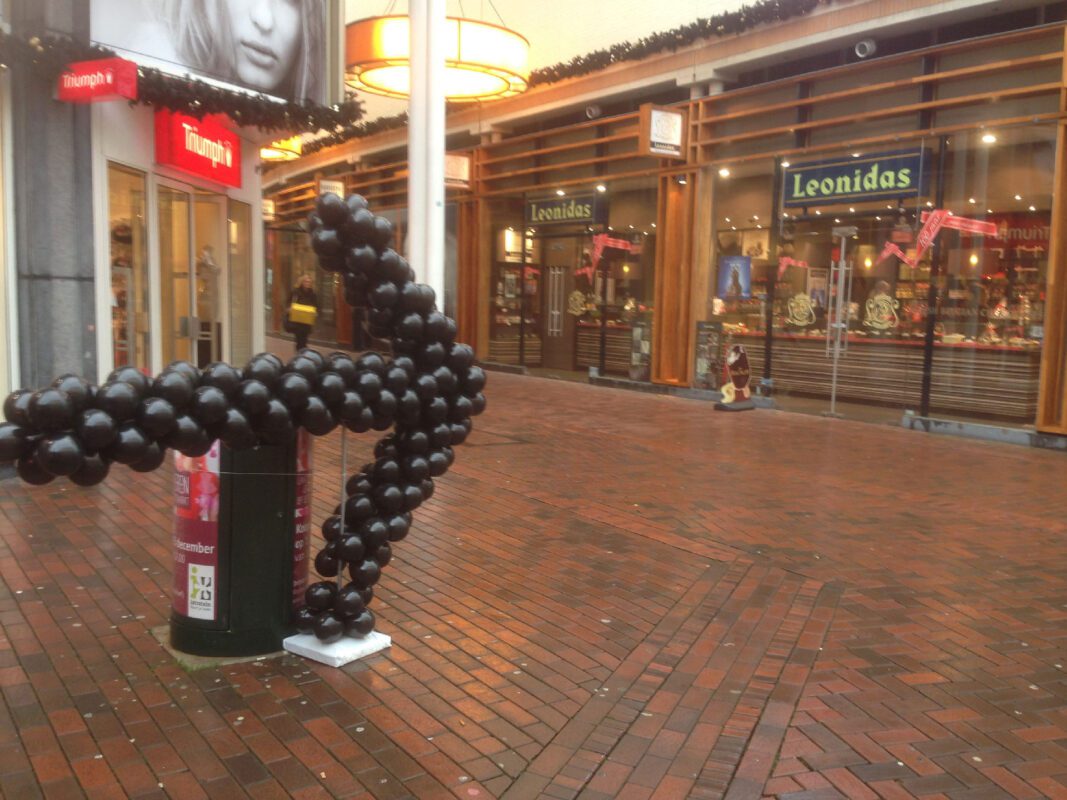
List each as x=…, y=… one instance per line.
x=610, y=595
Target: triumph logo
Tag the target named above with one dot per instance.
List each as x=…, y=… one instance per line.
x=215, y=150
x=91, y=81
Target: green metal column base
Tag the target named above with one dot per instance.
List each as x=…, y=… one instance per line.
x=257, y=499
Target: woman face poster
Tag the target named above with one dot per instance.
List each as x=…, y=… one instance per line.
x=275, y=47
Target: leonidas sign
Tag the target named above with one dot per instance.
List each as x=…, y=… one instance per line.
x=874, y=176
x=198, y=146
x=103, y=79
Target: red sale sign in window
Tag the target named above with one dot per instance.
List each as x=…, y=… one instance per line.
x=198, y=146
x=103, y=79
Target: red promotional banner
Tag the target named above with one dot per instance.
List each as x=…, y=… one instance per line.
x=196, y=534
x=302, y=522
x=92, y=81
x=198, y=146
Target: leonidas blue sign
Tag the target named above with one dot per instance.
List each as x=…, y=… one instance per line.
x=579, y=209
x=876, y=176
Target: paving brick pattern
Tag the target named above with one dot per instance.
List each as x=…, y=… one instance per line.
x=611, y=595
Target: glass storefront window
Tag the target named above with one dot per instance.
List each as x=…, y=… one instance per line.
x=128, y=255
x=291, y=258
x=991, y=288
x=239, y=222
x=568, y=297
x=951, y=328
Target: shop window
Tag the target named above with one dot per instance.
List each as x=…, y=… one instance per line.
x=128, y=256
x=239, y=223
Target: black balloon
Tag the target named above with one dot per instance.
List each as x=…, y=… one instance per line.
x=262, y=369
x=175, y=386
x=31, y=472
x=343, y=366
x=388, y=498
x=236, y=431
x=79, y=390
x=350, y=548
x=186, y=369
x=119, y=399
x=446, y=379
x=331, y=209
x=358, y=507
x=358, y=484
x=365, y=573
x=152, y=459
x=92, y=471
x=294, y=389
x=188, y=437
x=369, y=386
x=51, y=410
x=384, y=554
x=130, y=446
x=361, y=625
x=412, y=497
x=305, y=367
x=374, y=533
x=60, y=454
x=329, y=628
x=133, y=376
x=17, y=407
x=96, y=429
x=156, y=417
x=319, y=596
x=13, y=441
x=253, y=396
x=222, y=376
x=304, y=619
x=316, y=417
x=326, y=564
x=349, y=602
x=331, y=388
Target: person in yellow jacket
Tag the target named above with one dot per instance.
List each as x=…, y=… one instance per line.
x=304, y=295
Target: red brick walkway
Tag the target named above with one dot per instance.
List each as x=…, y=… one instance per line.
x=611, y=595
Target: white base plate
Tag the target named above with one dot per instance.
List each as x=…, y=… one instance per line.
x=339, y=653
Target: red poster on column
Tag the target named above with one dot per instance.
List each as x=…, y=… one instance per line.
x=302, y=514
x=196, y=534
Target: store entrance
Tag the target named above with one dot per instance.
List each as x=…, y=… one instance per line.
x=561, y=300
x=192, y=254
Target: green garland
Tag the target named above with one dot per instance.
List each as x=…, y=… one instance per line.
x=731, y=23
x=50, y=55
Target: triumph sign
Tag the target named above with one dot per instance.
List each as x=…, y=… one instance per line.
x=198, y=146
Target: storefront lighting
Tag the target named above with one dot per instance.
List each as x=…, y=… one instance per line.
x=818, y=213
x=989, y=211
x=560, y=192
x=785, y=163
x=755, y=217
x=867, y=263
x=727, y=219
x=654, y=224
x=482, y=61
x=724, y=172
x=878, y=217
x=601, y=188
x=283, y=149
x=989, y=138
x=856, y=155
x=1032, y=208
x=759, y=227
x=1018, y=197
x=625, y=267
x=851, y=210
x=733, y=227
x=511, y=228
x=971, y=200
x=682, y=181
x=974, y=259
x=631, y=227
x=837, y=221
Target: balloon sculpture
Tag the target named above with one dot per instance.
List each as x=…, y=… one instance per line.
x=427, y=393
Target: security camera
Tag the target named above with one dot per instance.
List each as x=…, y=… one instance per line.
x=865, y=48
x=592, y=112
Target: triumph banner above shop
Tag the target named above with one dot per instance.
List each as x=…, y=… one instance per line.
x=198, y=146
x=580, y=209
x=871, y=176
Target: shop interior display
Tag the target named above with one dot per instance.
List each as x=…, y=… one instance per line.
x=425, y=395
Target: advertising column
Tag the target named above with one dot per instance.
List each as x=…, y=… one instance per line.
x=196, y=535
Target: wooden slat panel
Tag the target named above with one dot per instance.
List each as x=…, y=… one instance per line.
x=1052, y=404
x=671, y=319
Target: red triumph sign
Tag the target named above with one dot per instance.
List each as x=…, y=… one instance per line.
x=103, y=79
x=198, y=146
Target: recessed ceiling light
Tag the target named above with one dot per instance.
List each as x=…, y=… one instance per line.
x=653, y=224
x=856, y=155
x=1018, y=197
x=878, y=217
x=818, y=213
x=785, y=163
x=837, y=220
x=929, y=204
x=759, y=227
x=971, y=200
x=560, y=192
x=851, y=210
x=1032, y=208
x=724, y=172
x=988, y=138
x=755, y=217
x=733, y=227
x=682, y=181
x=601, y=187
x=727, y=219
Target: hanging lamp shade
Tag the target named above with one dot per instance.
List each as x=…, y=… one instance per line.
x=482, y=61
x=283, y=149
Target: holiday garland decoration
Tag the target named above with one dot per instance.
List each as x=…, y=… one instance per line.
x=426, y=394
x=731, y=23
x=50, y=55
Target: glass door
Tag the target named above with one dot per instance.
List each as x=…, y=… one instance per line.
x=175, y=256
x=192, y=253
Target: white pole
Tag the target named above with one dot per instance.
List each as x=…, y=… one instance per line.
x=426, y=145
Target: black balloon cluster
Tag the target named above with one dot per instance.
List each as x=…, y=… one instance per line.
x=425, y=394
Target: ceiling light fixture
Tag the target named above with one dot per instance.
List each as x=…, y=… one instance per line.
x=283, y=149
x=482, y=61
